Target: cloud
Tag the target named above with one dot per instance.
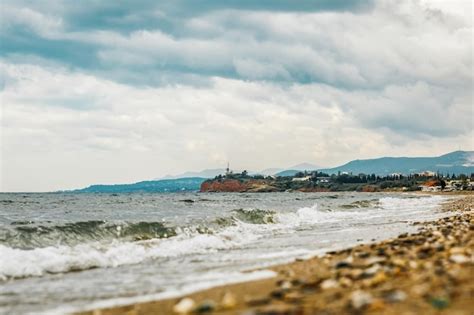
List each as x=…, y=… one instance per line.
x=250, y=123
x=97, y=92
x=383, y=44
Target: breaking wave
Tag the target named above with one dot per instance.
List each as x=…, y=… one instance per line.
x=372, y=203
x=80, y=246
x=29, y=235
x=30, y=249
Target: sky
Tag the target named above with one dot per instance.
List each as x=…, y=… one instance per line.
x=122, y=91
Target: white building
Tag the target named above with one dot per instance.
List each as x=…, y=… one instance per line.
x=301, y=179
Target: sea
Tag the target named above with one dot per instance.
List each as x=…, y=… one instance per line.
x=67, y=252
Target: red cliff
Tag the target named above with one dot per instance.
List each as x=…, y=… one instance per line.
x=235, y=185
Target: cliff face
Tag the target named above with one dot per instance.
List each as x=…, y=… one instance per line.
x=229, y=185
x=234, y=185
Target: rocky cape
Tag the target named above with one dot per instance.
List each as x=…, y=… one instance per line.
x=235, y=185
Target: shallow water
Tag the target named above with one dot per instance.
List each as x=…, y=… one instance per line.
x=65, y=252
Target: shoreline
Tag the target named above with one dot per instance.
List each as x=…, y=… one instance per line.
x=427, y=272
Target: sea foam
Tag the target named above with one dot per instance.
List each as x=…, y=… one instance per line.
x=18, y=263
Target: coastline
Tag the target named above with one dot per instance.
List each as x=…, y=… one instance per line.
x=428, y=272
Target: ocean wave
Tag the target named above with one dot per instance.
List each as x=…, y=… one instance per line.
x=241, y=227
x=20, y=263
x=372, y=203
x=411, y=202
x=254, y=216
x=247, y=226
x=30, y=235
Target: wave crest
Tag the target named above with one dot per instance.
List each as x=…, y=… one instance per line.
x=29, y=235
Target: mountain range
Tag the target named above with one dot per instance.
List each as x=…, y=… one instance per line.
x=457, y=162
x=211, y=173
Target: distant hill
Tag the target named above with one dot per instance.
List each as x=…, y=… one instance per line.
x=291, y=171
x=208, y=173
x=304, y=167
x=287, y=173
x=457, y=162
x=268, y=171
x=211, y=173
x=166, y=185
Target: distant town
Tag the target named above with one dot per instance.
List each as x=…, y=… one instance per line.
x=315, y=181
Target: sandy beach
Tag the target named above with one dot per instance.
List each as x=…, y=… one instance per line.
x=428, y=272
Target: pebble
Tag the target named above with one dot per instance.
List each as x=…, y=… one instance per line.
x=413, y=264
x=379, y=278
x=257, y=301
x=293, y=297
x=399, y=262
x=228, y=301
x=360, y=299
x=285, y=285
x=278, y=293
x=346, y=263
x=395, y=296
x=329, y=284
x=369, y=272
x=374, y=260
x=459, y=259
x=184, y=306
x=356, y=273
x=439, y=303
x=345, y=282
x=205, y=307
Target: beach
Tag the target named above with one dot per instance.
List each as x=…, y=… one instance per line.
x=426, y=272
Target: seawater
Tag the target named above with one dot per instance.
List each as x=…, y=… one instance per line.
x=68, y=252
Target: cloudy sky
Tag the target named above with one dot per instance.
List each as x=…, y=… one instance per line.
x=115, y=92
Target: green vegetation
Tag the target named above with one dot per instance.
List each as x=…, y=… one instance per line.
x=343, y=181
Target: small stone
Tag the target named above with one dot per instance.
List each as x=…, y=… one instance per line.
x=373, y=260
x=298, y=282
x=285, y=285
x=356, y=273
x=228, y=301
x=278, y=293
x=293, y=297
x=345, y=282
x=346, y=263
x=395, y=296
x=459, y=259
x=184, y=306
x=439, y=303
x=329, y=284
x=413, y=264
x=257, y=301
x=399, y=262
x=379, y=278
x=360, y=299
x=370, y=272
x=205, y=307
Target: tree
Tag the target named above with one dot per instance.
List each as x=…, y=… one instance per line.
x=442, y=184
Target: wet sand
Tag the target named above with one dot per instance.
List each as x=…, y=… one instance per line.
x=428, y=272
